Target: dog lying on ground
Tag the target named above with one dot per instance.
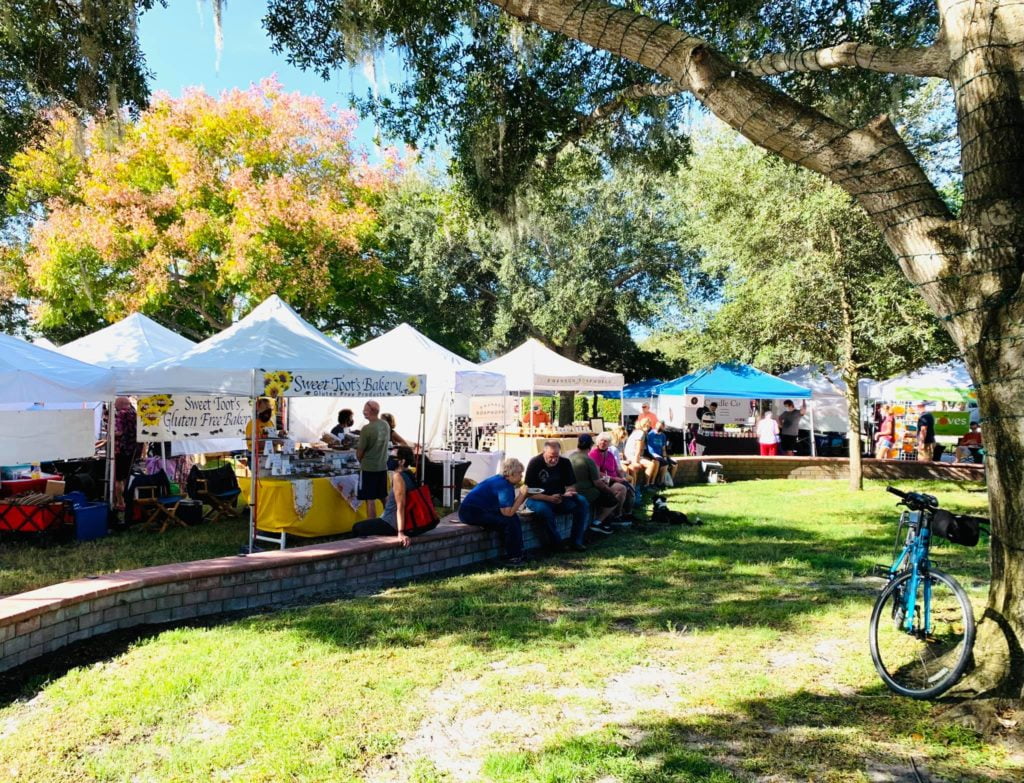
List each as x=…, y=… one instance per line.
x=660, y=512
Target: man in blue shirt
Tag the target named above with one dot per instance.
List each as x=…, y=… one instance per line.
x=493, y=505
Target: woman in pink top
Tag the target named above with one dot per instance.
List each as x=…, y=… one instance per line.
x=608, y=467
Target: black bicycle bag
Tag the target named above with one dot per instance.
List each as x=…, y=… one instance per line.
x=959, y=528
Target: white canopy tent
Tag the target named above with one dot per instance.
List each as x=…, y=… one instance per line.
x=828, y=391
x=135, y=342
x=31, y=374
x=535, y=367
x=451, y=379
x=273, y=351
x=132, y=342
x=949, y=382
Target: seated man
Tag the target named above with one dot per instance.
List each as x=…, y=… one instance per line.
x=551, y=477
x=493, y=504
x=591, y=486
x=969, y=446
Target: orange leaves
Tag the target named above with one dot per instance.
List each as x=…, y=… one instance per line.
x=253, y=192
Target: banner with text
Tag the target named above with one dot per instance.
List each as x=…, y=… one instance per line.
x=182, y=417
x=353, y=383
x=494, y=410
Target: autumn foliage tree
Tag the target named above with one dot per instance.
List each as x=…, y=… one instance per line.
x=200, y=207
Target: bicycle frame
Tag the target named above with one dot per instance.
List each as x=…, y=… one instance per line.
x=914, y=558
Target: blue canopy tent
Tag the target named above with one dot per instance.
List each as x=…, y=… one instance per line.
x=735, y=381
x=739, y=381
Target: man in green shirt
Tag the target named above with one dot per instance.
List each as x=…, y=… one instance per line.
x=372, y=453
x=591, y=486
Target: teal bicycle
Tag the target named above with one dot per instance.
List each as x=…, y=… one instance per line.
x=922, y=625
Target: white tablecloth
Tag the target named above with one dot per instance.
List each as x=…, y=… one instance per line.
x=483, y=464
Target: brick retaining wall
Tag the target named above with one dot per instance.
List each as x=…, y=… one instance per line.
x=42, y=621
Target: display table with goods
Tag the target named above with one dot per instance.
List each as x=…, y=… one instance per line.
x=308, y=493
x=739, y=443
x=525, y=443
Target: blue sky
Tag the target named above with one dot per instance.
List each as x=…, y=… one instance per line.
x=179, y=45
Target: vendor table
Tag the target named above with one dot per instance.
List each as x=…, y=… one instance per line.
x=329, y=514
x=723, y=447
x=482, y=464
x=18, y=486
x=526, y=447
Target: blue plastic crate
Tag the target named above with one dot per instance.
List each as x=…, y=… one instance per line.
x=90, y=521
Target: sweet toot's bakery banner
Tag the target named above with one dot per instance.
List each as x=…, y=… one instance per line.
x=179, y=417
x=288, y=383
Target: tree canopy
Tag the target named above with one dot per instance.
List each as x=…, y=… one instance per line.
x=806, y=278
x=200, y=204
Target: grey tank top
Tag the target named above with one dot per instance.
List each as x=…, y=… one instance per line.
x=390, y=514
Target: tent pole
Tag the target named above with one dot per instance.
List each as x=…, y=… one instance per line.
x=423, y=433
x=253, y=469
x=814, y=443
x=111, y=469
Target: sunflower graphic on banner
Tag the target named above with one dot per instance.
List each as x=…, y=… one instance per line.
x=152, y=408
x=276, y=383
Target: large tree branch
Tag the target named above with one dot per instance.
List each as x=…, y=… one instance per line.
x=928, y=61
x=586, y=122
x=872, y=163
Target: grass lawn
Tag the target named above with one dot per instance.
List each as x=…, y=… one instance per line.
x=736, y=651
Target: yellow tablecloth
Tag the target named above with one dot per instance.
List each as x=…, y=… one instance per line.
x=330, y=512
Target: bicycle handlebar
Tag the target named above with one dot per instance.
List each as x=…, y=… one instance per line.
x=917, y=500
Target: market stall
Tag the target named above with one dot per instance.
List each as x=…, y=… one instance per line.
x=952, y=400
x=534, y=368
x=738, y=388
x=32, y=379
x=135, y=342
x=272, y=353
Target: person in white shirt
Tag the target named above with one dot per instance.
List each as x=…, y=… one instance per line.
x=768, y=435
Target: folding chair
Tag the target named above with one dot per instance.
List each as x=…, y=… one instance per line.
x=152, y=495
x=217, y=488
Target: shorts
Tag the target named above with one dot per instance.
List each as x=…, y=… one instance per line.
x=373, y=485
x=787, y=442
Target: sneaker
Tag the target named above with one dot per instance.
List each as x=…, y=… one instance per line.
x=602, y=529
x=514, y=562
x=577, y=547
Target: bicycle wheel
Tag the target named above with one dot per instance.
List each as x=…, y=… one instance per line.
x=922, y=662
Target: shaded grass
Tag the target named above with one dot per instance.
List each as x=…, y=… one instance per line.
x=719, y=653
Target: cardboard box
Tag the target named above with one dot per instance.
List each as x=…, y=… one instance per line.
x=54, y=487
